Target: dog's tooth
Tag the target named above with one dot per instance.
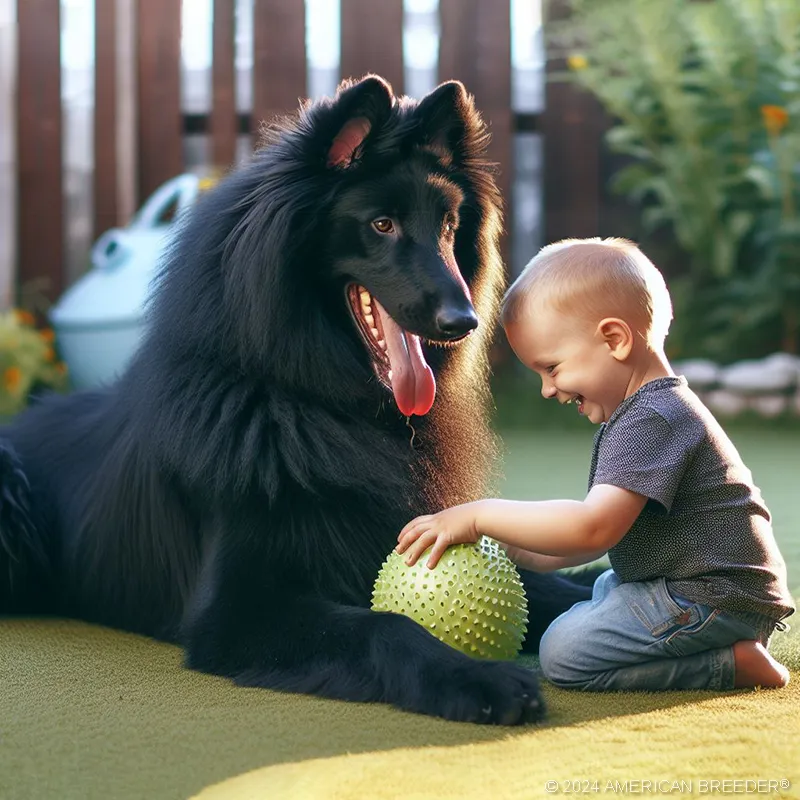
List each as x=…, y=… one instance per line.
x=370, y=320
x=382, y=344
x=365, y=298
x=389, y=374
x=374, y=332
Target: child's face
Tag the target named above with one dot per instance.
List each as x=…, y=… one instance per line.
x=575, y=362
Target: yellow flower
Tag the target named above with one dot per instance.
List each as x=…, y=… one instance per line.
x=206, y=183
x=577, y=62
x=12, y=378
x=24, y=317
x=775, y=118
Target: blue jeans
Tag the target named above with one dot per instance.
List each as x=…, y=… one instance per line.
x=639, y=636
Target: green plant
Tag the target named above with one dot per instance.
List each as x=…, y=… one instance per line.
x=28, y=361
x=706, y=98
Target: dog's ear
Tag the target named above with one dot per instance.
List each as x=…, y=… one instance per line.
x=347, y=141
x=448, y=120
x=358, y=109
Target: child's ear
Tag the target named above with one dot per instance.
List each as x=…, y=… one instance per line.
x=617, y=334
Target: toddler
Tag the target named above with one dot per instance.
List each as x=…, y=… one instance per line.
x=697, y=584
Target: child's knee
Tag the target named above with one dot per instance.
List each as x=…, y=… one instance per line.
x=561, y=659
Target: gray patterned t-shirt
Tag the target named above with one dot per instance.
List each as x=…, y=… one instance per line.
x=705, y=527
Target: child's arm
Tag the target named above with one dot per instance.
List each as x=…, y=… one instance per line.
x=553, y=527
x=536, y=562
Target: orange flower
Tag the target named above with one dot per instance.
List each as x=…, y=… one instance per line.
x=24, y=317
x=48, y=335
x=61, y=368
x=775, y=118
x=12, y=378
x=49, y=354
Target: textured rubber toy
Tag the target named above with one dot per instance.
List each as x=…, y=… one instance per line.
x=472, y=600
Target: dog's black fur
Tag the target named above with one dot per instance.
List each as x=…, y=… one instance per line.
x=238, y=488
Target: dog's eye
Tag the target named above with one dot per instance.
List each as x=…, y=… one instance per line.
x=383, y=225
x=449, y=226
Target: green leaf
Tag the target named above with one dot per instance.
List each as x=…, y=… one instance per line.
x=654, y=217
x=634, y=180
x=789, y=228
x=740, y=223
x=722, y=254
x=621, y=137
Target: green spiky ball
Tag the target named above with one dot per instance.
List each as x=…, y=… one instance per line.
x=472, y=600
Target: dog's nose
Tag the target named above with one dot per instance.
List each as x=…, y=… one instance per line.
x=455, y=321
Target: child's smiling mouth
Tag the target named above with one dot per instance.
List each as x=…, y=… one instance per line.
x=578, y=400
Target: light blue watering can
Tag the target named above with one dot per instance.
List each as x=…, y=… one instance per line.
x=99, y=320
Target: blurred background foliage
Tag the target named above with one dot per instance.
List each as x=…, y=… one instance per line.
x=28, y=361
x=705, y=98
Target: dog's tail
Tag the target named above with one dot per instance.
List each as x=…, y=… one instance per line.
x=21, y=550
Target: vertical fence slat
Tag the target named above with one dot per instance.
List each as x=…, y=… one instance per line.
x=279, y=59
x=572, y=124
x=372, y=40
x=572, y=185
x=223, y=108
x=475, y=48
x=106, y=211
x=39, y=161
x=159, y=123
x=126, y=111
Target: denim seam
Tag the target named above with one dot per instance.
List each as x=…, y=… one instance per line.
x=716, y=670
x=727, y=668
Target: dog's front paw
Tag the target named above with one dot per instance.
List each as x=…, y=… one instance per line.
x=485, y=692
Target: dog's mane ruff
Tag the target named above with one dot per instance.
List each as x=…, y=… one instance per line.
x=226, y=433
x=464, y=469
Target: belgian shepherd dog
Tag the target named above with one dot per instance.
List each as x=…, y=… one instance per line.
x=313, y=375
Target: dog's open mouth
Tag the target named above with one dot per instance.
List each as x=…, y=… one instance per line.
x=396, y=354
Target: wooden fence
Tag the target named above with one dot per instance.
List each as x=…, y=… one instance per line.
x=139, y=125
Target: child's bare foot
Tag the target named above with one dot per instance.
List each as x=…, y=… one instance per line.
x=756, y=667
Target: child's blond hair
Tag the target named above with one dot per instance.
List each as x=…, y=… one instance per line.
x=594, y=278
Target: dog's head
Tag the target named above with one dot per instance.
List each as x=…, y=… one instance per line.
x=403, y=225
x=364, y=238
x=393, y=228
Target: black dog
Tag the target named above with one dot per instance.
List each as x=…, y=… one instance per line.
x=238, y=488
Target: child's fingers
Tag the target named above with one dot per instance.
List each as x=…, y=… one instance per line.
x=403, y=542
x=409, y=526
x=418, y=547
x=412, y=531
x=441, y=544
x=409, y=538
x=402, y=545
x=413, y=553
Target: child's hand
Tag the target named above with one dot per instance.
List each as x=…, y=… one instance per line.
x=452, y=526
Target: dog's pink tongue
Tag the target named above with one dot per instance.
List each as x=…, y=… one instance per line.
x=413, y=383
